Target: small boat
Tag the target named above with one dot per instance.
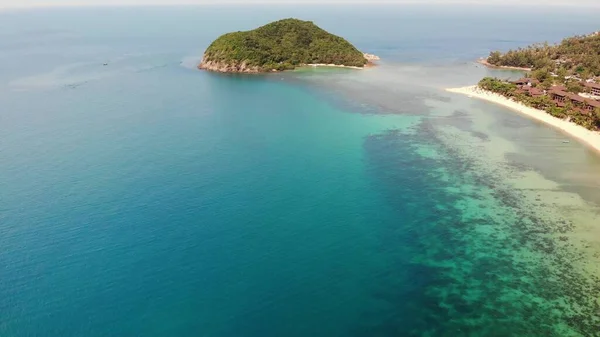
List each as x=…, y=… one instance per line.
x=565, y=141
x=104, y=64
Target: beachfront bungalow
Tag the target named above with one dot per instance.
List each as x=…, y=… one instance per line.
x=591, y=105
x=530, y=91
x=582, y=104
x=594, y=88
x=558, y=96
x=535, y=92
x=520, y=81
x=577, y=101
x=525, y=81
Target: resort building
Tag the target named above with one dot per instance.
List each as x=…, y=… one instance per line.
x=591, y=104
x=594, y=88
x=558, y=96
x=530, y=91
x=525, y=81
x=561, y=98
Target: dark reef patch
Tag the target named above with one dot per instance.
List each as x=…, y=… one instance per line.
x=473, y=257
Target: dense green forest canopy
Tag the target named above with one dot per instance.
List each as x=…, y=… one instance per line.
x=578, y=55
x=283, y=45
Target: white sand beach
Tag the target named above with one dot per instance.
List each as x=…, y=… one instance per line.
x=332, y=65
x=371, y=58
x=584, y=135
x=489, y=65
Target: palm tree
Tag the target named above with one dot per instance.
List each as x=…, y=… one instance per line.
x=596, y=117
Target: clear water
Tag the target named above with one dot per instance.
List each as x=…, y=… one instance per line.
x=146, y=198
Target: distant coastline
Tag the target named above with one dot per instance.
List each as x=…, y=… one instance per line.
x=489, y=65
x=590, y=138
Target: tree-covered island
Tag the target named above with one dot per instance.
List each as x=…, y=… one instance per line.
x=563, y=80
x=278, y=46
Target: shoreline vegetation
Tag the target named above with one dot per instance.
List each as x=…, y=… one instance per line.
x=485, y=62
x=575, y=56
x=589, y=137
x=279, y=46
x=561, y=87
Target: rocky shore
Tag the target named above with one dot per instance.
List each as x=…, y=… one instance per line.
x=371, y=58
x=227, y=68
x=222, y=67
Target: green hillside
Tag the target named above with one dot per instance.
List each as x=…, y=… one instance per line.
x=283, y=45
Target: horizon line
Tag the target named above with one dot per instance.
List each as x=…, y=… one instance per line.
x=508, y=3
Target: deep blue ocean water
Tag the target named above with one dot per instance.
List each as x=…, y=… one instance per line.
x=147, y=198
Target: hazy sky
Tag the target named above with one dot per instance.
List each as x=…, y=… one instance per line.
x=38, y=3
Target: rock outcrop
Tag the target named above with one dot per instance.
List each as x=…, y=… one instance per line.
x=371, y=57
x=221, y=67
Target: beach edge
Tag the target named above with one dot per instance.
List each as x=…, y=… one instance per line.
x=587, y=137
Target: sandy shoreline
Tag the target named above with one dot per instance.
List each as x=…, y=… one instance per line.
x=370, y=63
x=331, y=65
x=489, y=65
x=590, y=138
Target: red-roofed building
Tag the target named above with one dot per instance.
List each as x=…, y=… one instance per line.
x=591, y=104
x=535, y=92
x=580, y=103
x=558, y=95
x=594, y=88
x=525, y=81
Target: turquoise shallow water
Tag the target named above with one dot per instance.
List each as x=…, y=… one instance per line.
x=146, y=198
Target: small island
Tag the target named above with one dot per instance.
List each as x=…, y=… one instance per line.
x=281, y=45
x=561, y=86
